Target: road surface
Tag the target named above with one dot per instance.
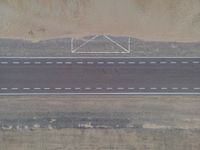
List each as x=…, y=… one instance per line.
x=99, y=76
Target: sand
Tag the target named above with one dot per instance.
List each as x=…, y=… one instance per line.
x=160, y=20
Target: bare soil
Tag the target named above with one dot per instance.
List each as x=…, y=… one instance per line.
x=166, y=20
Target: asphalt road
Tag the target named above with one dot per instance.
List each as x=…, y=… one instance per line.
x=99, y=76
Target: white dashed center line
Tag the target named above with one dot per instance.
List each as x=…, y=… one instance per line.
x=4, y=63
x=68, y=62
x=185, y=62
x=131, y=88
x=27, y=62
x=16, y=62
x=59, y=63
x=184, y=88
x=49, y=62
x=164, y=88
x=131, y=62
x=173, y=62
x=79, y=62
x=120, y=88
x=122, y=63
x=90, y=63
x=153, y=62
x=195, y=62
x=110, y=63
x=163, y=62
x=142, y=62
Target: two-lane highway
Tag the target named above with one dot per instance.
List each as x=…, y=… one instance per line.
x=99, y=76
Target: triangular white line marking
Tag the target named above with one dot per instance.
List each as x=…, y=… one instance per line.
x=74, y=50
x=116, y=43
x=72, y=44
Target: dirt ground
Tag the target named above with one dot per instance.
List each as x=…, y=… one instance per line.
x=162, y=122
x=100, y=139
x=168, y=20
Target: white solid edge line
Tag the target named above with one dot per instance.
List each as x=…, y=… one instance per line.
x=140, y=93
x=99, y=57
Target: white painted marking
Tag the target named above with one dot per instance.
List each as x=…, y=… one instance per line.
x=58, y=88
x=80, y=62
x=100, y=63
x=27, y=62
x=78, y=88
x=59, y=62
x=37, y=62
x=111, y=93
x=126, y=50
x=164, y=88
x=142, y=62
x=174, y=88
x=195, y=62
x=197, y=88
x=14, y=88
x=130, y=88
x=90, y=62
x=109, y=88
x=68, y=88
x=163, y=62
x=16, y=62
x=72, y=44
x=68, y=62
x=4, y=62
x=185, y=62
x=88, y=88
x=110, y=62
x=131, y=62
x=173, y=62
x=4, y=88
x=153, y=62
x=36, y=88
x=26, y=88
x=74, y=50
x=142, y=88
x=129, y=44
x=153, y=88
x=47, y=88
x=48, y=62
x=122, y=63
x=99, y=88
x=184, y=88
x=120, y=88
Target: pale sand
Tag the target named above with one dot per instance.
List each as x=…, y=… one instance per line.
x=166, y=20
